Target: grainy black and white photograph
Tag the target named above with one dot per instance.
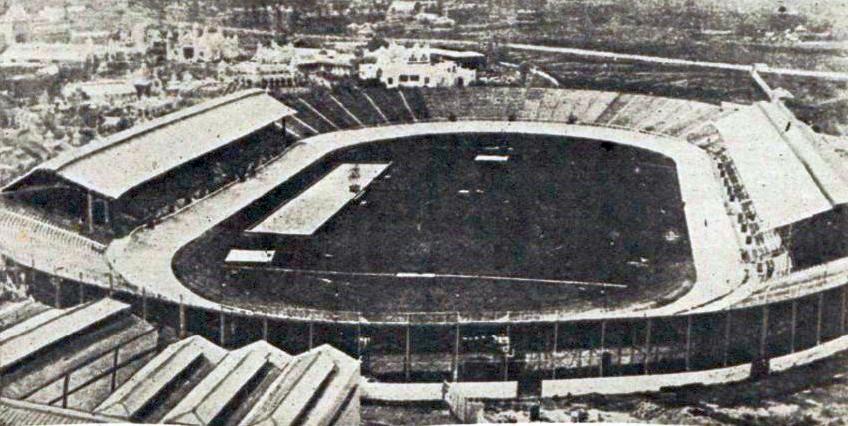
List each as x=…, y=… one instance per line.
x=423, y=212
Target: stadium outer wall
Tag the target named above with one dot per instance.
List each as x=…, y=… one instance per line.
x=549, y=358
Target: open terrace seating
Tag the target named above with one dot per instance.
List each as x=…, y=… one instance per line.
x=417, y=103
x=358, y=105
x=390, y=104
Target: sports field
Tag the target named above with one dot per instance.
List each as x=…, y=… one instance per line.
x=507, y=221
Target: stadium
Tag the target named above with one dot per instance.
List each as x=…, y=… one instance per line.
x=534, y=242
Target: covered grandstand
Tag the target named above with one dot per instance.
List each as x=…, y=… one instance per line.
x=139, y=174
x=98, y=363
x=769, y=151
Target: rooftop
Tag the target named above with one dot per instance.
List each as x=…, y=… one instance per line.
x=770, y=169
x=117, y=164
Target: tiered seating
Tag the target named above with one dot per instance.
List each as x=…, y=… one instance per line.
x=357, y=104
x=319, y=118
x=195, y=382
x=532, y=104
x=237, y=374
x=376, y=107
x=390, y=104
x=763, y=250
x=305, y=117
x=564, y=108
x=416, y=102
x=73, y=355
x=670, y=110
x=53, y=247
x=298, y=128
x=621, y=116
x=328, y=108
x=350, y=115
x=442, y=104
x=600, y=101
x=548, y=104
x=291, y=399
x=620, y=102
x=641, y=108
x=582, y=100
x=186, y=361
x=702, y=113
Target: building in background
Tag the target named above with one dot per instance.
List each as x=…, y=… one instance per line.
x=416, y=66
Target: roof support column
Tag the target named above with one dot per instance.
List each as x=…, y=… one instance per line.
x=57, y=285
x=457, y=339
x=90, y=211
x=182, y=318
x=554, y=351
x=819, y=309
x=407, y=363
x=603, y=349
x=222, y=327
x=727, y=321
x=793, y=325
x=106, y=212
x=688, y=343
x=764, y=332
x=842, y=311
x=648, y=346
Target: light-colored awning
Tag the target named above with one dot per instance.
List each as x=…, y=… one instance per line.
x=127, y=159
x=781, y=188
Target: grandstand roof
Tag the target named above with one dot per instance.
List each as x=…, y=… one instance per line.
x=13, y=412
x=125, y=160
x=802, y=140
x=779, y=183
x=44, y=330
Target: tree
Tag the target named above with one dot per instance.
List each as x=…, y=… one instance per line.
x=376, y=42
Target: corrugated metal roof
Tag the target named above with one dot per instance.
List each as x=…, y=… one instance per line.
x=22, y=413
x=148, y=381
x=206, y=400
x=127, y=159
x=770, y=170
x=29, y=339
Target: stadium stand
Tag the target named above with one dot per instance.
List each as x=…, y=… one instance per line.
x=72, y=356
x=356, y=102
x=291, y=398
x=417, y=104
x=217, y=395
x=133, y=176
x=48, y=329
x=390, y=103
x=193, y=381
x=100, y=364
x=184, y=361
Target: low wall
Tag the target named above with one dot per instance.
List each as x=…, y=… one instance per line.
x=429, y=392
x=656, y=382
